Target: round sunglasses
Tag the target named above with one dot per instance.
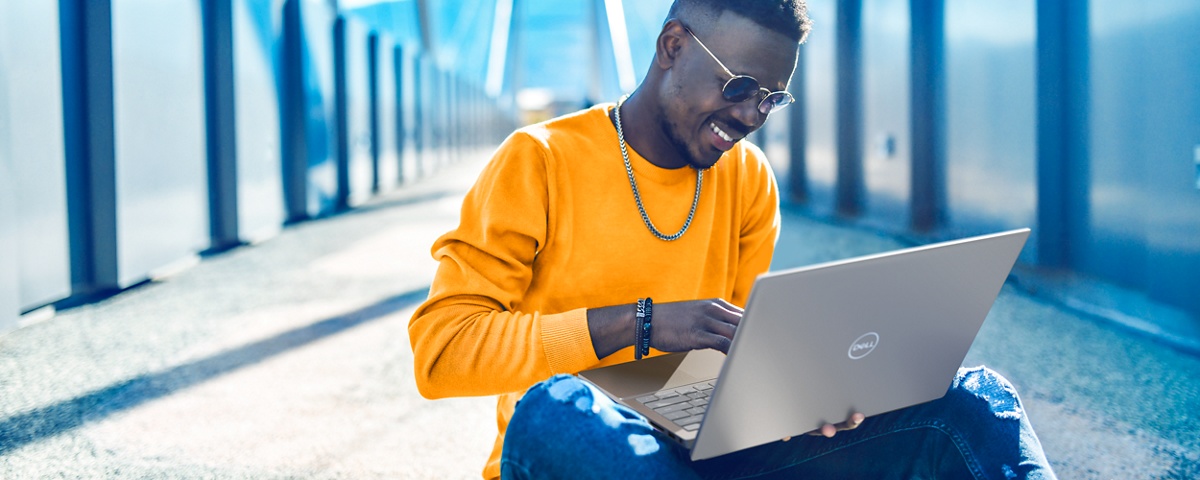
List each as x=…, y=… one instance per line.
x=740, y=88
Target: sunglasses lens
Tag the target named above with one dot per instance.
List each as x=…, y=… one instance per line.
x=739, y=88
x=775, y=101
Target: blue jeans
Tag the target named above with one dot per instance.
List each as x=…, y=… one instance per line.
x=565, y=428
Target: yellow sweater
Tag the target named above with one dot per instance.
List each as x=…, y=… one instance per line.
x=551, y=229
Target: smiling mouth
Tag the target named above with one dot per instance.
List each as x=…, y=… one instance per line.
x=720, y=133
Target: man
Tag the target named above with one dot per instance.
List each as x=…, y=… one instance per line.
x=577, y=222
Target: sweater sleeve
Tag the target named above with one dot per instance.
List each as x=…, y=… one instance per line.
x=467, y=338
x=760, y=222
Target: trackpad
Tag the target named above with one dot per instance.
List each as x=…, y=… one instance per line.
x=637, y=378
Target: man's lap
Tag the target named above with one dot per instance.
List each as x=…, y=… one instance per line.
x=565, y=427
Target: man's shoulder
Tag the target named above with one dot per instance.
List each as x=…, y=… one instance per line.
x=750, y=160
x=569, y=128
x=752, y=154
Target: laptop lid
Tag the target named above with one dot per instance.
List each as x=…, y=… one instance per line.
x=870, y=334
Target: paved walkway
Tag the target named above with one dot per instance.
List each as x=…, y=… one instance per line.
x=291, y=359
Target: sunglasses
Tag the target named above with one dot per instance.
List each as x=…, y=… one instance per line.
x=739, y=88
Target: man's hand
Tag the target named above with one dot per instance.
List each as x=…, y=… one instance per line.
x=830, y=429
x=674, y=326
x=694, y=325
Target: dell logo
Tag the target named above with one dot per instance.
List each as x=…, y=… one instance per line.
x=863, y=346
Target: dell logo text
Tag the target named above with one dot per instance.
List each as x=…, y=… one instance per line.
x=863, y=345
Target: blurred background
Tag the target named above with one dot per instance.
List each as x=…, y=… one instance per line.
x=136, y=134
x=139, y=136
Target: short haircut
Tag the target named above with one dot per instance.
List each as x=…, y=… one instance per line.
x=787, y=17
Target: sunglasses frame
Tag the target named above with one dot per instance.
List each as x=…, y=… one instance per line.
x=769, y=107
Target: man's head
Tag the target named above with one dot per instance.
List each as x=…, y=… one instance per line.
x=786, y=17
x=702, y=44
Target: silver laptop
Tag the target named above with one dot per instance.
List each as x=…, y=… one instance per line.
x=870, y=334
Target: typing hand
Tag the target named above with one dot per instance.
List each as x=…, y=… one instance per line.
x=829, y=429
x=694, y=325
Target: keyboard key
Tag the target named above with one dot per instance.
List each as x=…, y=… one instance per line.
x=691, y=428
x=673, y=408
x=676, y=415
x=696, y=411
x=705, y=386
x=648, y=398
x=666, y=401
x=689, y=420
x=699, y=402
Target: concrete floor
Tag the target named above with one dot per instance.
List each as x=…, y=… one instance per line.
x=291, y=359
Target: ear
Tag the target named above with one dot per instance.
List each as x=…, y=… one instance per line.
x=669, y=45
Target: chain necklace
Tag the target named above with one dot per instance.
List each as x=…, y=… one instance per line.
x=638, y=198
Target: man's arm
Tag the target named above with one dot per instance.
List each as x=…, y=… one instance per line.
x=467, y=338
x=760, y=222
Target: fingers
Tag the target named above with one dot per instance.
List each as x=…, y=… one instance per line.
x=695, y=325
x=725, y=311
x=722, y=328
x=716, y=342
x=729, y=306
x=829, y=429
x=851, y=423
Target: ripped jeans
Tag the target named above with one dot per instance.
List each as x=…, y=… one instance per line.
x=565, y=428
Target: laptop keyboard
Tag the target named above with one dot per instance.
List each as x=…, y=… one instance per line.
x=685, y=406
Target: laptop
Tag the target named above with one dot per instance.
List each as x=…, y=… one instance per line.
x=870, y=334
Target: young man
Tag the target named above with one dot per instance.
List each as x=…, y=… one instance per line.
x=577, y=222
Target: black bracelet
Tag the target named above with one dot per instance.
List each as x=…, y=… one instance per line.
x=648, y=310
x=639, y=320
x=638, y=315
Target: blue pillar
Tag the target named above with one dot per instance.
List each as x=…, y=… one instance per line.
x=86, y=29
x=849, y=190
x=1062, y=129
x=356, y=175
x=221, y=123
x=797, y=116
x=928, y=110
x=385, y=130
x=401, y=77
x=309, y=110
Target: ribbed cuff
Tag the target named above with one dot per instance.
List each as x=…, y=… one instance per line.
x=568, y=342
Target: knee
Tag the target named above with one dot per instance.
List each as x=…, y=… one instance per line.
x=559, y=389
x=553, y=401
x=564, y=422
x=564, y=400
x=982, y=385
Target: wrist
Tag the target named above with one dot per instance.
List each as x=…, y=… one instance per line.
x=644, y=327
x=612, y=328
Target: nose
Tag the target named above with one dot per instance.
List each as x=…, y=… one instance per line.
x=748, y=115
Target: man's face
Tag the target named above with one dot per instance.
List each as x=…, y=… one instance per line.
x=699, y=121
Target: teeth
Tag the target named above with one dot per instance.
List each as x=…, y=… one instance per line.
x=720, y=133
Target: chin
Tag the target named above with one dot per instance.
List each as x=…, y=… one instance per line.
x=702, y=162
x=696, y=155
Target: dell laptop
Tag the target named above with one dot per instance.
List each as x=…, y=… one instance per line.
x=870, y=334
